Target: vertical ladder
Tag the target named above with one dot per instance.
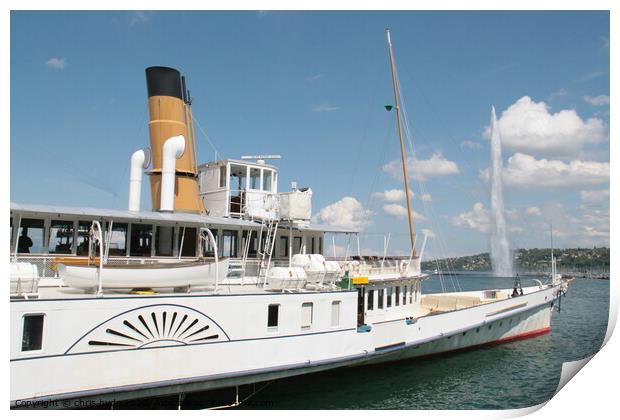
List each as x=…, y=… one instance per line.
x=266, y=250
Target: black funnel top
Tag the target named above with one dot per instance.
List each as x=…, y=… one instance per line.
x=163, y=81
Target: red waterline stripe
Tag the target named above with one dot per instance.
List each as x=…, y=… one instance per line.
x=523, y=336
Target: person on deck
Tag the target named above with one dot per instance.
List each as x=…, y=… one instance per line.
x=24, y=242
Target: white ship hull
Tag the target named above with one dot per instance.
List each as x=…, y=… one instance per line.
x=166, y=362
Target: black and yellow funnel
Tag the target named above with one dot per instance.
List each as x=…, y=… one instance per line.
x=171, y=115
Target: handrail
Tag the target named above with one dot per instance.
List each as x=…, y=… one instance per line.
x=215, y=252
x=97, y=236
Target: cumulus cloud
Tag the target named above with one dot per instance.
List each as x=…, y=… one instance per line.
x=436, y=166
x=347, y=212
x=391, y=196
x=325, y=108
x=400, y=212
x=599, y=100
x=590, y=228
x=594, y=196
x=526, y=171
x=533, y=211
x=529, y=127
x=56, y=63
x=479, y=218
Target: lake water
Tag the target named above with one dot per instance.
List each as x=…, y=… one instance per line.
x=511, y=375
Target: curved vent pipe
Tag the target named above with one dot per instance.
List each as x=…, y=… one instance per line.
x=174, y=148
x=139, y=162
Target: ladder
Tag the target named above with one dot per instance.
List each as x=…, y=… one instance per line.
x=266, y=248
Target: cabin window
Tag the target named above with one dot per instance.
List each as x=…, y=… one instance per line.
x=321, y=246
x=312, y=245
x=297, y=245
x=389, y=297
x=405, y=288
x=253, y=242
x=222, y=177
x=335, y=313
x=188, y=247
x=30, y=240
x=229, y=243
x=141, y=239
x=254, y=179
x=371, y=300
x=83, y=238
x=273, y=312
x=164, y=241
x=267, y=180
x=397, y=298
x=61, y=237
x=283, y=246
x=414, y=289
x=118, y=239
x=306, y=315
x=207, y=248
x=32, y=334
x=238, y=176
x=381, y=293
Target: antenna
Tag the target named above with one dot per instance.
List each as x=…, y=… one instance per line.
x=260, y=159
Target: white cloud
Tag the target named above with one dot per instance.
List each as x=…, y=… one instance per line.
x=139, y=17
x=473, y=145
x=558, y=93
x=478, y=218
x=347, y=212
x=526, y=171
x=429, y=233
x=594, y=196
x=590, y=228
x=400, y=212
x=56, y=63
x=391, y=196
x=436, y=166
x=313, y=78
x=533, y=211
x=530, y=127
x=426, y=197
x=599, y=100
x=325, y=108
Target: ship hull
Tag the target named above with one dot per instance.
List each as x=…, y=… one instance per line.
x=69, y=377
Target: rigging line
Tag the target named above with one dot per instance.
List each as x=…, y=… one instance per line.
x=421, y=184
x=206, y=137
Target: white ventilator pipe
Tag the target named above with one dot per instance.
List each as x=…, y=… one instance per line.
x=174, y=148
x=138, y=164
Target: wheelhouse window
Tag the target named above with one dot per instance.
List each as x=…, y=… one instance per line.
x=32, y=333
x=118, y=239
x=61, y=237
x=164, y=241
x=30, y=237
x=389, y=297
x=380, y=298
x=335, y=313
x=141, y=240
x=306, y=315
x=254, y=179
x=397, y=298
x=273, y=312
x=312, y=245
x=321, y=246
x=229, y=243
x=267, y=180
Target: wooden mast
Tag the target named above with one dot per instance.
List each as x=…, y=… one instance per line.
x=402, y=143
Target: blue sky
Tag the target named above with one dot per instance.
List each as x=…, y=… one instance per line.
x=311, y=86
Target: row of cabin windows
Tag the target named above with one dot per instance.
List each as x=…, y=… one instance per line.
x=61, y=236
x=392, y=296
x=307, y=315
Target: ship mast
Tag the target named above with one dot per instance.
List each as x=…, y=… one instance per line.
x=402, y=143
